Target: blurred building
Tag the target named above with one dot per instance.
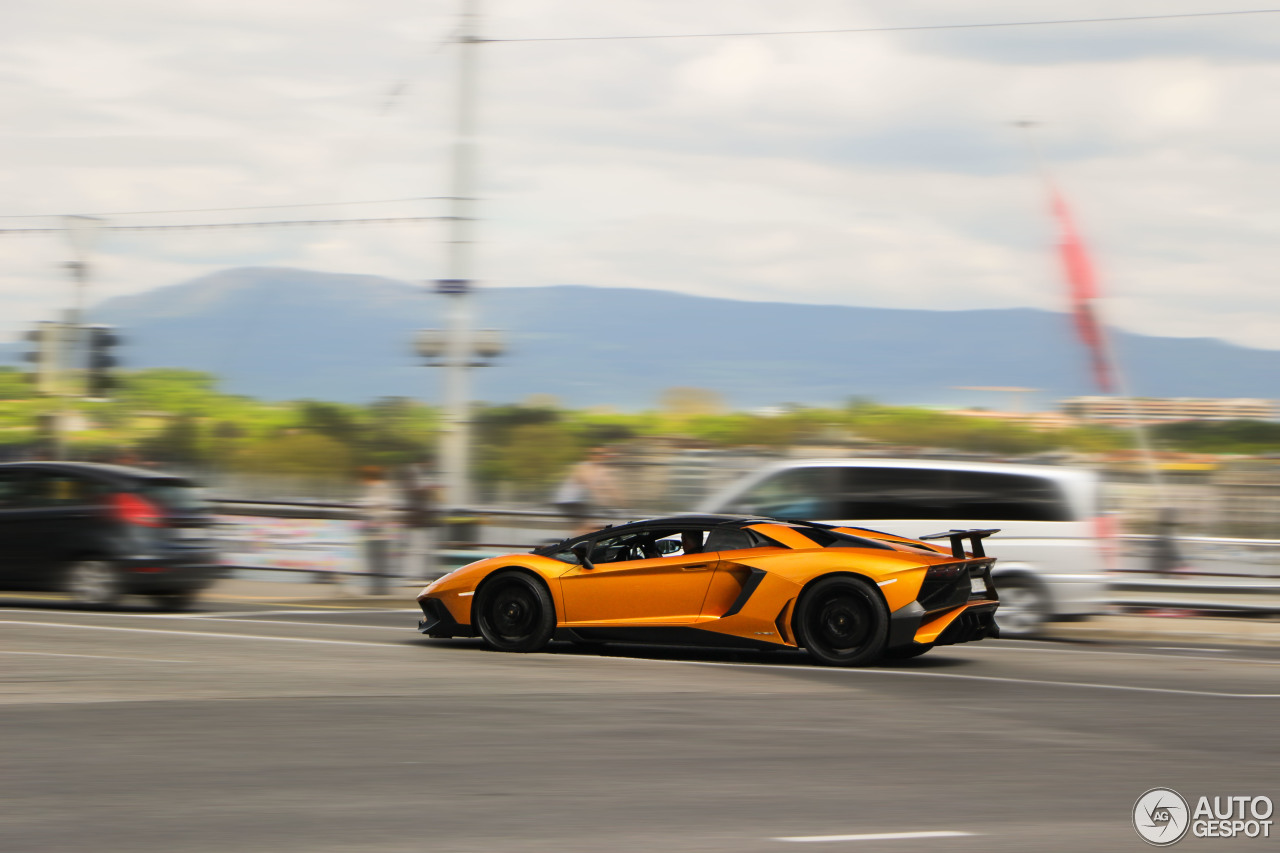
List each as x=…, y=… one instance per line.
x=1043, y=421
x=1120, y=411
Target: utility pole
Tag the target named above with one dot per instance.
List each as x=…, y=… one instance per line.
x=82, y=232
x=455, y=446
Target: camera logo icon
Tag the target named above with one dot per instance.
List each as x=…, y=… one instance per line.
x=1161, y=817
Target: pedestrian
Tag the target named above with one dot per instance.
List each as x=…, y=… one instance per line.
x=421, y=493
x=378, y=524
x=1165, y=557
x=589, y=488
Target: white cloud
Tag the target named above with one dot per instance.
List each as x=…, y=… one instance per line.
x=876, y=169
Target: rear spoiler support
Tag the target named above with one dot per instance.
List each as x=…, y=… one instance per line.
x=957, y=538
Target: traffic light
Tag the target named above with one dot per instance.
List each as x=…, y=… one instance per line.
x=99, y=381
x=43, y=356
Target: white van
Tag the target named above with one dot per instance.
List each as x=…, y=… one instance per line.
x=1050, y=560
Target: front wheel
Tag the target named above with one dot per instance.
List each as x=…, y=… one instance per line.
x=842, y=621
x=515, y=613
x=93, y=583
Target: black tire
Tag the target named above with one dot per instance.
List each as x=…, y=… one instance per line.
x=515, y=613
x=1024, y=607
x=908, y=652
x=93, y=583
x=842, y=621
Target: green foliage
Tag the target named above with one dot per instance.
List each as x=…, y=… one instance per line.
x=1219, y=436
x=170, y=390
x=14, y=384
x=534, y=456
x=304, y=454
x=179, y=417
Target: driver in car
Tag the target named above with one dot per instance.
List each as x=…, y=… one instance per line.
x=691, y=541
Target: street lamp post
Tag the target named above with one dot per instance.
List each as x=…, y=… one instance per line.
x=455, y=445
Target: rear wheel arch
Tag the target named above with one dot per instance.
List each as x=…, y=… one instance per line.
x=841, y=619
x=843, y=573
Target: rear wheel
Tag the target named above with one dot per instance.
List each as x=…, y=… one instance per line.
x=515, y=613
x=93, y=583
x=1024, y=607
x=842, y=621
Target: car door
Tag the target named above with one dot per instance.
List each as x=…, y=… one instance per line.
x=65, y=522
x=16, y=539
x=629, y=582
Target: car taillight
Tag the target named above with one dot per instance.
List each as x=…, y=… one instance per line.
x=132, y=509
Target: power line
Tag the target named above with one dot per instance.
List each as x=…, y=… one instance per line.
x=234, y=209
x=205, y=226
x=897, y=29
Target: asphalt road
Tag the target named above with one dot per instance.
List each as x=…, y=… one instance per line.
x=345, y=730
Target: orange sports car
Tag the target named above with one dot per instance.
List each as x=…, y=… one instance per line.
x=846, y=595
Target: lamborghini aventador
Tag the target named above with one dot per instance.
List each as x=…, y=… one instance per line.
x=846, y=595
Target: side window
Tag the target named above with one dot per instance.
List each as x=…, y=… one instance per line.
x=920, y=493
x=806, y=493
x=650, y=545
x=729, y=539
x=50, y=488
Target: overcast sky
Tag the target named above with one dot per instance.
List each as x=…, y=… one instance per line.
x=856, y=169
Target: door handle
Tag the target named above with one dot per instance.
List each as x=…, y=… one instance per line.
x=698, y=567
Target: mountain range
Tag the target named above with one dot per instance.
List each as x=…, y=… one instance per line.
x=289, y=334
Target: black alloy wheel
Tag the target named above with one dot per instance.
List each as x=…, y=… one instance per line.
x=842, y=621
x=515, y=613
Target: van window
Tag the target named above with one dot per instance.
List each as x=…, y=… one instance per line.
x=793, y=493
x=872, y=493
x=878, y=493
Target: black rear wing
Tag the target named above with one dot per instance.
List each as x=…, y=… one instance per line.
x=957, y=538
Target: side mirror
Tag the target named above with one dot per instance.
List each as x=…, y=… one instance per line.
x=583, y=552
x=667, y=547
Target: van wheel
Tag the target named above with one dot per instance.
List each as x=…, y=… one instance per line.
x=1024, y=607
x=93, y=583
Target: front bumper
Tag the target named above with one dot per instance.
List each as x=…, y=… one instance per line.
x=438, y=622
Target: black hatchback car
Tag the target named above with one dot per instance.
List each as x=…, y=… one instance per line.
x=100, y=532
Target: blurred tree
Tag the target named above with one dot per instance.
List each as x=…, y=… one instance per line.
x=169, y=390
x=535, y=456
x=337, y=421
x=295, y=453
x=177, y=444
x=14, y=384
